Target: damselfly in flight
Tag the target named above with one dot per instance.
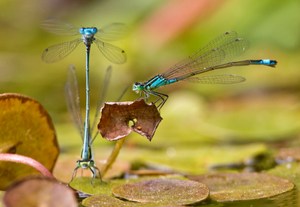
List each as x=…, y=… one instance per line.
x=217, y=54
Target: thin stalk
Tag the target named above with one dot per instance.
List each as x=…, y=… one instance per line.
x=113, y=156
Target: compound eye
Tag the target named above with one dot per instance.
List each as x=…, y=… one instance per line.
x=95, y=30
x=136, y=86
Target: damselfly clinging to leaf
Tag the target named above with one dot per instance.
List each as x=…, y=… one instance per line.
x=217, y=54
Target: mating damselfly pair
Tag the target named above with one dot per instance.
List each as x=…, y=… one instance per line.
x=218, y=54
x=89, y=35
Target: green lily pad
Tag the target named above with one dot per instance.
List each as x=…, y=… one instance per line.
x=105, y=200
x=163, y=191
x=290, y=171
x=243, y=186
x=91, y=186
x=26, y=129
x=109, y=201
x=39, y=192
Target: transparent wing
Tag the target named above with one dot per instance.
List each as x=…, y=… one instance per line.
x=102, y=96
x=111, y=52
x=217, y=79
x=60, y=28
x=123, y=93
x=112, y=32
x=218, y=51
x=73, y=99
x=59, y=51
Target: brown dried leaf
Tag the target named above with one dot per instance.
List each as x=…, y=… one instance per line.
x=117, y=117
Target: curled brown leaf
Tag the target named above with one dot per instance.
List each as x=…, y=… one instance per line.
x=118, y=119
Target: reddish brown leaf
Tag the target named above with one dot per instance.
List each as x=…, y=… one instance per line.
x=120, y=118
x=39, y=192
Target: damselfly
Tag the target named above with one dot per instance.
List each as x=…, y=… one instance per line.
x=89, y=35
x=73, y=103
x=217, y=54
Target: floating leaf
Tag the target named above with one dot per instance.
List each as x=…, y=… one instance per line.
x=118, y=116
x=89, y=185
x=243, y=186
x=163, y=191
x=105, y=200
x=289, y=171
x=25, y=129
x=39, y=192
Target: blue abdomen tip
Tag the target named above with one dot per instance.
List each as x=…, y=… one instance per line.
x=267, y=62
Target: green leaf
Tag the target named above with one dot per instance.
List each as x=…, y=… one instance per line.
x=163, y=191
x=243, y=186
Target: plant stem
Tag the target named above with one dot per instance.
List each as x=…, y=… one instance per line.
x=113, y=156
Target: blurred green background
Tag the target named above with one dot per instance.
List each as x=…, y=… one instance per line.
x=161, y=33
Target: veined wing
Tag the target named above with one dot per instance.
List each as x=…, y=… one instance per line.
x=111, y=52
x=112, y=32
x=60, y=28
x=102, y=97
x=218, y=51
x=59, y=51
x=73, y=99
x=217, y=79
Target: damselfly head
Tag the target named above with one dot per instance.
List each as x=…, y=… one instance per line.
x=137, y=87
x=88, y=31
